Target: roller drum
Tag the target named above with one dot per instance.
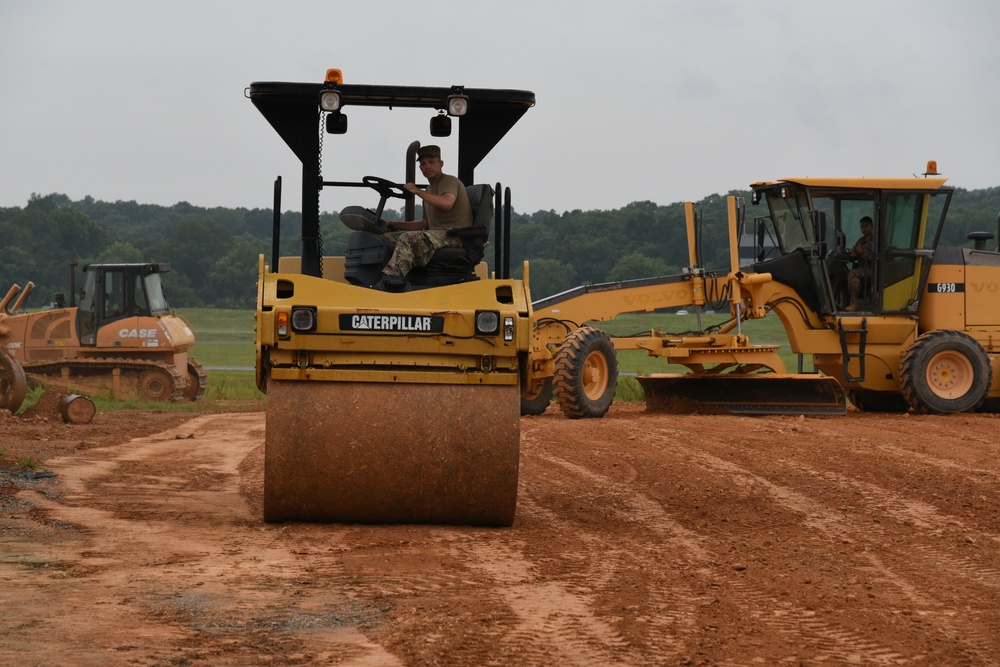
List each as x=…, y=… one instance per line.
x=363, y=452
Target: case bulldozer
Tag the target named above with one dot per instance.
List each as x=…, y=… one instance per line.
x=122, y=338
x=391, y=407
x=921, y=333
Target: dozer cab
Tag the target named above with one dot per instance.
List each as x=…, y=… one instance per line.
x=920, y=332
x=122, y=338
x=388, y=407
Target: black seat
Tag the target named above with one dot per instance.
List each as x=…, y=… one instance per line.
x=464, y=259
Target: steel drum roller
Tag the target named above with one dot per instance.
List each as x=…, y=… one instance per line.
x=364, y=452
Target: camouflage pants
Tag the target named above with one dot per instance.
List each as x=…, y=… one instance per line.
x=415, y=249
x=854, y=278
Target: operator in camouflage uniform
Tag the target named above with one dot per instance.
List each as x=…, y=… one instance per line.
x=861, y=253
x=445, y=205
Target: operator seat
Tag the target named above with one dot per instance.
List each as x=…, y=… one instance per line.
x=464, y=259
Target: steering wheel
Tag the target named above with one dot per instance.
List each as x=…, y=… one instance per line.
x=385, y=187
x=840, y=256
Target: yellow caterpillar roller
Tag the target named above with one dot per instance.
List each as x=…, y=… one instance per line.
x=384, y=406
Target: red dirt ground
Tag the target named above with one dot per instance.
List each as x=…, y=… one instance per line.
x=640, y=539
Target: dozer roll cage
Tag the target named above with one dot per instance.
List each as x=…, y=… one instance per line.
x=293, y=110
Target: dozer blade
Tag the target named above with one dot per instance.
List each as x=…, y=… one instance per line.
x=364, y=452
x=803, y=394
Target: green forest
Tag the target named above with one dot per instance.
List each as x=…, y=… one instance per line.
x=213, y=251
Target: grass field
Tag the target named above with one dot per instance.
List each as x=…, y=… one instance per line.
x=225, y=337
x=225, y=346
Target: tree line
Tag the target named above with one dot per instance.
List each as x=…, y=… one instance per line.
x=213, y=251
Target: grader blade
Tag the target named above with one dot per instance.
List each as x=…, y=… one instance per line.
x=359, y=452
x=803, y=394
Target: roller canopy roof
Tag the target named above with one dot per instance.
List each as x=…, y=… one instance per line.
x=293, y=110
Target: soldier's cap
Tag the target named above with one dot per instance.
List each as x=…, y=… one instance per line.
x=428, y=151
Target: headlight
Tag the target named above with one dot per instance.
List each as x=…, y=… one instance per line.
x=329, y=100
x=303, y=319
x=458, y=105
x=487, y=322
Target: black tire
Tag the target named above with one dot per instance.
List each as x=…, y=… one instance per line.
x=866, y=400
x=944, y=372
x=586, y=372
x=536, y=405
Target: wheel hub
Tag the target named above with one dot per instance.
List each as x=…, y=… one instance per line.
x=949, y=375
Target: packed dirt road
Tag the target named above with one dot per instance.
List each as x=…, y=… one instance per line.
x=639, y=540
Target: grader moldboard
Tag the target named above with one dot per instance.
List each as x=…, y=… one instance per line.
x=122, y=338
x=922, y=334
x=390, y=407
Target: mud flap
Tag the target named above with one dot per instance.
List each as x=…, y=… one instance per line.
x=357, y=452
x=802, y=394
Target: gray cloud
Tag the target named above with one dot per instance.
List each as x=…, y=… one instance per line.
x=661, y=101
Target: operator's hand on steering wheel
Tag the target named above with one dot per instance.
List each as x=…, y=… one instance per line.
x=412, y=188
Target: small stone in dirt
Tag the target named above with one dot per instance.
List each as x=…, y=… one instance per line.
x=36, y=474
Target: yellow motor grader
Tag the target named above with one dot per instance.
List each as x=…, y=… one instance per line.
x=122, y=338
x=391, y=407
x=921, y=332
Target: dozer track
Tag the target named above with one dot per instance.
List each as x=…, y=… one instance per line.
x=197, y=381
x=136, y=378
x=364, y=452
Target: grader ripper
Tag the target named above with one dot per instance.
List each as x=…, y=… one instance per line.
x=922, y=334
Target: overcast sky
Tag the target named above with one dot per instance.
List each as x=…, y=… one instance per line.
x=661, y=100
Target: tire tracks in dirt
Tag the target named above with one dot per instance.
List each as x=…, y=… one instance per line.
x=906, y=533
x=171, y=567
x=639, y=539
x=714, y=572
